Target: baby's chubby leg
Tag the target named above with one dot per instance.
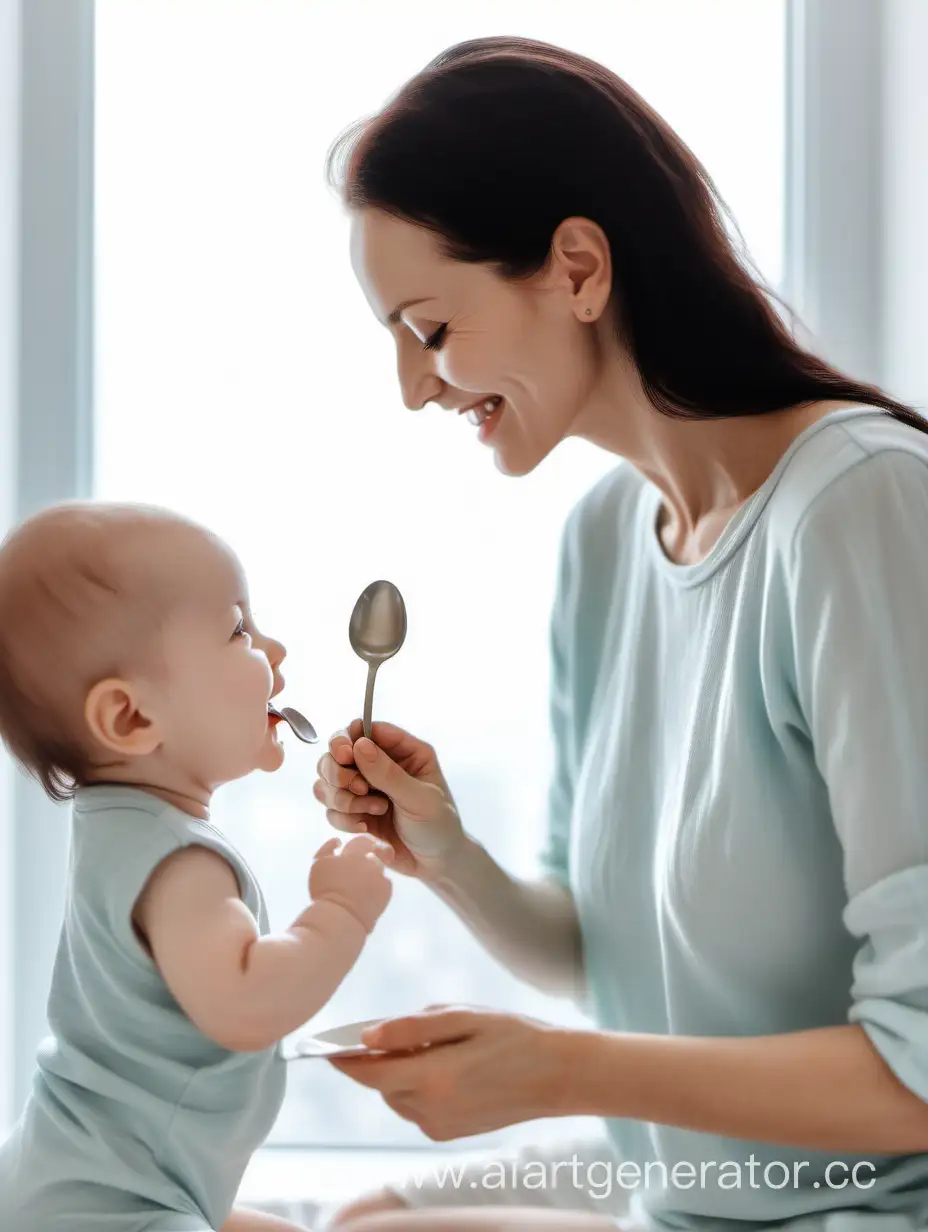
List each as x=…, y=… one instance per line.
x=489, y=1219
x=240, y=1220
x=243, y=1220
x=379, y=1212
x=378, y=1203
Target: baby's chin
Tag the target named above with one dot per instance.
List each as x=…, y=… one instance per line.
x=271, y=757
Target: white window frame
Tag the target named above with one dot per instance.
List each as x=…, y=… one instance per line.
x=833, y=251
x=9, y=227
x=47, y=184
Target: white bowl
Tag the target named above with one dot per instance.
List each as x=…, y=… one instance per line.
x=336, y=1042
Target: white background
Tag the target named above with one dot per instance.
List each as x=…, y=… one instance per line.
x=240, y=378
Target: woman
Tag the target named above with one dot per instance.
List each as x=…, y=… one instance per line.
x=736, y=874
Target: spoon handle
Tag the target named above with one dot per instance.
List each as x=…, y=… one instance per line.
x=369, y=698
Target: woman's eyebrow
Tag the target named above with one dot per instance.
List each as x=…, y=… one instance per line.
x=394, y=317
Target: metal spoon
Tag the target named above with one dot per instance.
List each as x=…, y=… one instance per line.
x=377, y=630
x=298, y=723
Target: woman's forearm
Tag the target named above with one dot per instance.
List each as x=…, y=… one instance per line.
x=531, y=927
x=826, y=1089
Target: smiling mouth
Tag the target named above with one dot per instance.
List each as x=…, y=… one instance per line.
x=480, y=413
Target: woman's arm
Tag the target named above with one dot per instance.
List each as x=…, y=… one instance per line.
x=827, y=1089
x=531, y=927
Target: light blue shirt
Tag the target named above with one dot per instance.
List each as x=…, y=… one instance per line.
x=133, y=1110
x=740, y=803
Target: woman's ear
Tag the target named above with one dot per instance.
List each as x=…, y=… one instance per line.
x=582, y=263
x=116, y=721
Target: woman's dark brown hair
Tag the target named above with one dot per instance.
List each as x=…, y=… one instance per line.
x=498, y=140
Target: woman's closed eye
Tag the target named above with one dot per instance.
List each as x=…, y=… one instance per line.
x=434, y=341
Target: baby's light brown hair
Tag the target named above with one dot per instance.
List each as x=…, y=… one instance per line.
x=79, y=603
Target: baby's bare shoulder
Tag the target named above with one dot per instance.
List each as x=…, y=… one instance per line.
x=191, y=876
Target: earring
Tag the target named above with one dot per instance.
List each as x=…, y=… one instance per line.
x=589, y=312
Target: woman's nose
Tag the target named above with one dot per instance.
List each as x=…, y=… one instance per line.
x=419, y=383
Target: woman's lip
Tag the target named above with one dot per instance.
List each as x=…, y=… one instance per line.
x=485, y=431
x=464, y=410
x=479, y=414
x=489, y=425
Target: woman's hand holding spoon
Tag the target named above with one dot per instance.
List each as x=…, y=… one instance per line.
x=412, y=808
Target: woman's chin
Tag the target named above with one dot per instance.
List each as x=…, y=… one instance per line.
x=516, y=463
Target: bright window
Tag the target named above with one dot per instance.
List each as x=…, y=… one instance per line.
x=242, y=380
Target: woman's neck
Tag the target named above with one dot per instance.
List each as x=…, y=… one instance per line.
x=705, y=468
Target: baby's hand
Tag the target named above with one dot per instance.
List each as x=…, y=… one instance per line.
x=354, y=877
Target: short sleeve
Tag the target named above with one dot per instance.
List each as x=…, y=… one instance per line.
x=859, y=595
x=120, y=841
x=555, y=856
x=126, y=868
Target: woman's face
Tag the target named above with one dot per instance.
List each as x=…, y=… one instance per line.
x=465, y=336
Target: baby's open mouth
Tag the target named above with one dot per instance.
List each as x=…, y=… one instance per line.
x=298, y=723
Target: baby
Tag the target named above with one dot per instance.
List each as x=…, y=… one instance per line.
x=133, y=679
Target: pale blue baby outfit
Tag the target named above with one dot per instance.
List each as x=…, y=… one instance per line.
x=740, y=804
x=137, y=1122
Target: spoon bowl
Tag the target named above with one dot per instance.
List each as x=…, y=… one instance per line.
x=298, y=723
x=376, y=631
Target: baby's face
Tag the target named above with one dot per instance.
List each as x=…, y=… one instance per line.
x=210, y=703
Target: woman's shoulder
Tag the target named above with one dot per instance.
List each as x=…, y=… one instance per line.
x=867, y=467
x=604, y=507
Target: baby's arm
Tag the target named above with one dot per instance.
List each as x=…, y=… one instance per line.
x=243, y=990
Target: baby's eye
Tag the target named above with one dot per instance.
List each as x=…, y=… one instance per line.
x=240, y=628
